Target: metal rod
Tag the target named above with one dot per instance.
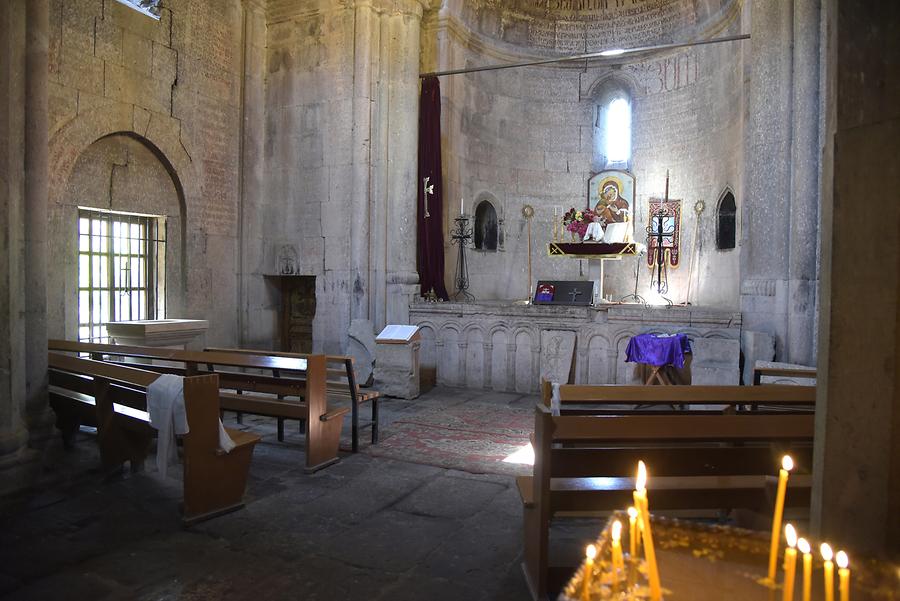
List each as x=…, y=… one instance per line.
x=592, y=55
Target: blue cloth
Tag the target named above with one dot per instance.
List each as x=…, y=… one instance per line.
x=658, y=350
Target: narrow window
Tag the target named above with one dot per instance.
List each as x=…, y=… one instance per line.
x=486, y=230
x=725, y=222
x=121, y=259
x=618, y=132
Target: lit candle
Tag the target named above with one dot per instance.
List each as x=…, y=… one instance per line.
x=617, y=563
x=803, y=545
x=829, y=572
x=590, y=553
x=790, y=562
x=632, y=533
x=787, y=464
x=843, y=574
x=460, y=206
x=640, y=500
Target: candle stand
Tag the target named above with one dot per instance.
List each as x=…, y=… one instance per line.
x=461, y=235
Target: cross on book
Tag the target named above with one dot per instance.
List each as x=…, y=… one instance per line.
x=575, y=293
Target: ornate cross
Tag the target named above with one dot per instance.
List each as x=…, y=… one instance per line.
x=427, y=190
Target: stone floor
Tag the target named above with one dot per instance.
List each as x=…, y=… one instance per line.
x=366, y=528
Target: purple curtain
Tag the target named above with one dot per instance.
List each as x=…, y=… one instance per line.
x=430, y=251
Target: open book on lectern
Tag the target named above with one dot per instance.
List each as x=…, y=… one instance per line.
x=397, y=334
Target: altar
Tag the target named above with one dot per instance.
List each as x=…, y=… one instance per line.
x=508, y=345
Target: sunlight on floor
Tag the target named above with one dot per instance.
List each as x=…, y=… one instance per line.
x=524, y=455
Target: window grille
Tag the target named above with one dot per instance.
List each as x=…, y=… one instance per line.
x=121, y=261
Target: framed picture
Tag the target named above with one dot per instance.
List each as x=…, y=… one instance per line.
x=611, y=198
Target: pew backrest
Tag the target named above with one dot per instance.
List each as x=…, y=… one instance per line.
x=574, y=397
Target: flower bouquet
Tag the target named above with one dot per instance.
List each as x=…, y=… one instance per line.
x=576, y=222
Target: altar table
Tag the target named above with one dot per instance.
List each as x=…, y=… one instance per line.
x=658, y=352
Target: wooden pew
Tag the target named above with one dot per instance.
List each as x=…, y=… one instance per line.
x=782, y=372
x=586, y=400
x=113, y=397
x=587, y=463
x=302, y=398
x=341, y=383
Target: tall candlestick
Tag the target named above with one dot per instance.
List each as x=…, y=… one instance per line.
x=790, y=562
x=787, y=464
x=803, y=545
x=640, y=500
x=590, y=553
x=632, y=534
x=829, y=571
x=843, y=575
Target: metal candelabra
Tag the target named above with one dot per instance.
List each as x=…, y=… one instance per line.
x=461, y=235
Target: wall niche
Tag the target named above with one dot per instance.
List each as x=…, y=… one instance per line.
x=486, y=235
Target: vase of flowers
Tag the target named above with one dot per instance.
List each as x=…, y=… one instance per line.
x=576, y=222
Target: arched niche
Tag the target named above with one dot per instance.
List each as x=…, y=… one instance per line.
x=726, y=221
x=120, y=172
x=613, y=124
x=486, y=231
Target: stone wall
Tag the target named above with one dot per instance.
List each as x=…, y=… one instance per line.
x=526, y=136
x=340, y=155
x=168, y=94
x=502, y=347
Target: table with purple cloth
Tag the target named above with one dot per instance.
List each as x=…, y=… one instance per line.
x=653, y=349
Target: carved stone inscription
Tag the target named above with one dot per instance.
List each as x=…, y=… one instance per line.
x=590, y=25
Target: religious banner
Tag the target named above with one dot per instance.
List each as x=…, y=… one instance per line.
x=430, y=247
x=611, y=195
x=664, y=232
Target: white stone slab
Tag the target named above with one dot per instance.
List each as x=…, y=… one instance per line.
x=557, y=352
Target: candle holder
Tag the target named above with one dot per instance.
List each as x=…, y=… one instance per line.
x=461, y=235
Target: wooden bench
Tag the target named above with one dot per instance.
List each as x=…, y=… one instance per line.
x=586, y=400
x=782, y=372
x=587, y=463
x=114, y=399
x=301, y=398
x=341, y=383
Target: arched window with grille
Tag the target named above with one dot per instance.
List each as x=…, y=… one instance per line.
x=726, y=222
x=486, y=234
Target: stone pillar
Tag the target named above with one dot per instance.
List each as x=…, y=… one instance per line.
x=488, y=381
x=38, y=415
x=256, y=327
x=766, y=217
x=403, y=27
x=15, y=458
x=463, y=361
x=804, y=210
x=856, y=476
x=361, y=196
x=511, y=365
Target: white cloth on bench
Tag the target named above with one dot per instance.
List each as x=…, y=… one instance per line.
x=165, y=404
x=555, y=402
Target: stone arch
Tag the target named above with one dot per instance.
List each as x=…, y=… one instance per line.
x=154, y=134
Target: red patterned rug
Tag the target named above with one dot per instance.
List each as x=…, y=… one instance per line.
x=472, y=437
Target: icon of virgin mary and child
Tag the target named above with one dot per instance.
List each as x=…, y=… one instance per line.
x=610, y=208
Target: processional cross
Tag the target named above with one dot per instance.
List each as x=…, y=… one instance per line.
x=427, y=190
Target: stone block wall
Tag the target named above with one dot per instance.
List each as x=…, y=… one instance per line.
x=160, y=103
